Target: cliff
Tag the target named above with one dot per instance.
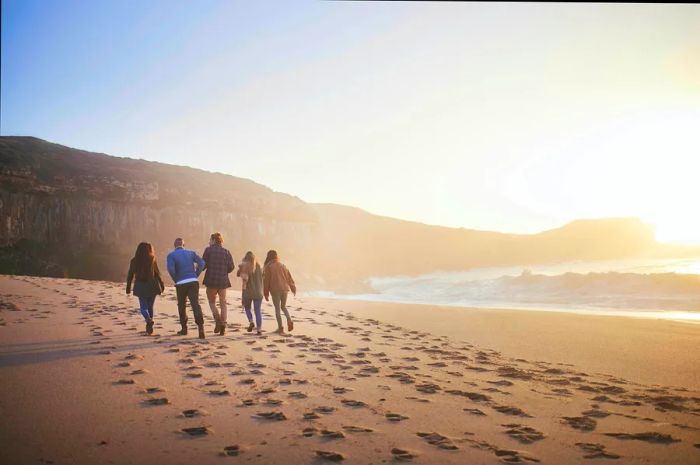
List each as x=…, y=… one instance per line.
x=69, y=212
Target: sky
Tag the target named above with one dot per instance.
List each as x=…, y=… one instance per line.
x=497, y=116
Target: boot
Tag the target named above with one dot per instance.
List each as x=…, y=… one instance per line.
x=201, y=331
x=251, y=325
x=183, y=331
x=149, y=327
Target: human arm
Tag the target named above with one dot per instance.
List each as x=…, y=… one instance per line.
x=199, y=262
x=129, y=278
x=229, y=265
x=170, y=263
x=156, y=272
x=205, y=258
x=266, y=284
x=290, y=281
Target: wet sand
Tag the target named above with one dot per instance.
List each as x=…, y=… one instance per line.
x=354, y=382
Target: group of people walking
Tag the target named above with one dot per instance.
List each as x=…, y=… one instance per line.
x=273, y=279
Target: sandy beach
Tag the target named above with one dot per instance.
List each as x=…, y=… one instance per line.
x=355, y=382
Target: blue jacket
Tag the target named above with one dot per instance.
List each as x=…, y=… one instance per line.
x=181, y=264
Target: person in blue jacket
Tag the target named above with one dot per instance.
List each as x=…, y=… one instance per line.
x=185, y=266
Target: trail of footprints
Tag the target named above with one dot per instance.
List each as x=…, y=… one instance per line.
x=435, y=367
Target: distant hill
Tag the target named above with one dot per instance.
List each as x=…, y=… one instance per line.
x=69, y=212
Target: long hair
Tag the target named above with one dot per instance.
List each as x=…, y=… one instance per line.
x=144, y=260
x=250, y=258
x=271, y=256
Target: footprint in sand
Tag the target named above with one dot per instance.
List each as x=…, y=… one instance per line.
x=193, y=413
x=157, y=401
x=523, y=434
x=232, y=451
x=596, y=451
x=401, y=455
x=652, y=437
x=474, y=411
x=324, y=409
x=438, y=440
x=396, y=417
x=580, y=423
x=330, y=456
x=197, y=431
x=276, y=416
x=124, y=381
x=353, y=403
x=428, y=388
x=357, y=429
x=219, y=393
x=508, y=410
x=328, y=434
x=309, y=432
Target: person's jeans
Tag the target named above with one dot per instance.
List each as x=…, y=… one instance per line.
x=257, y=304
x=146, y=304
x=211, y=297
x=279, y=300
x=189, y=291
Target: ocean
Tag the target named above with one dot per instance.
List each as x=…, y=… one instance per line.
x=650, y=288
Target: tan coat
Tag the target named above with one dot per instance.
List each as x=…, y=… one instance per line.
x=277, y=278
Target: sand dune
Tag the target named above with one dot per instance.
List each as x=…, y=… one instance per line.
x=82, y=384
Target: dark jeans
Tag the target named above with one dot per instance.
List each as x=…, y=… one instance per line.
x=249, y=302
x=189, y=291
x=146, y=304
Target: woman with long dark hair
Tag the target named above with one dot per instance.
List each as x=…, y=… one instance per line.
x=278, y=281
x=252, y=284
x=143, y=270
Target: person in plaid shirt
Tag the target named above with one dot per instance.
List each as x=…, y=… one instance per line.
x=218, y=264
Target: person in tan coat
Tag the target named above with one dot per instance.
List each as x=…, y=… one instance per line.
x=278, y=281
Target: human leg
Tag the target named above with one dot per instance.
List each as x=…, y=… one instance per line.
x=224, y=307
x=181, y=293
x=283, y=304
x=143, y=307
x=150, y=301
x=247, y=303
x=258, y=313
x=276, y=301
x=193, y=297
x=211, y=298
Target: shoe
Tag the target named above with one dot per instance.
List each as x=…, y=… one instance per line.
x=149, y=327
x=183, y=331
x=251, y=325
x=259, y=332
x=290, y=325
x=201, y=331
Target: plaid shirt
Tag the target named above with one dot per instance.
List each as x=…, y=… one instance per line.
x=218, y=263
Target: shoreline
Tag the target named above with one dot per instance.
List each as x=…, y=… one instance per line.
x=642, y=349
x=655, y=314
